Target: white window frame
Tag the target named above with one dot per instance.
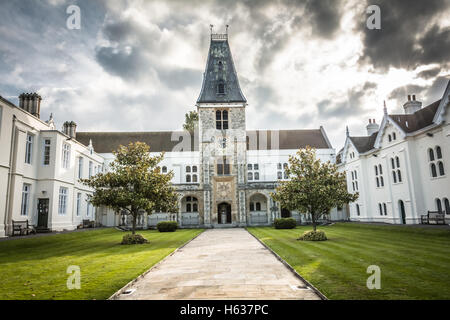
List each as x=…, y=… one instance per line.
x=80, y=167
x=91, y=164
x=78, y=204
x=26, y=188
x=46, y=147
x=65, y=158
x=62, y=200
x=29, y=148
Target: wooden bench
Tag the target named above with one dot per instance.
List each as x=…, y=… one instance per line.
x=22, y=227
x=88, y=224
x=433, y=216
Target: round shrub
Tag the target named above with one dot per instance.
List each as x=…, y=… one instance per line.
x=312, y=235
x=285, y=223
x=167, y=226
x=133, y=239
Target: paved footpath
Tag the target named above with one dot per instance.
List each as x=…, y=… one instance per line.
x=220, y=264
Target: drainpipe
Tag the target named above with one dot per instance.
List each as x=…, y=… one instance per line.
x=8, y=185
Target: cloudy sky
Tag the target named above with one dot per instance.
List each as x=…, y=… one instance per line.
x=137, y=65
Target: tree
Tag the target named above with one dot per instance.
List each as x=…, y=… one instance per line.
x=191, y=121
x=314, y=187
x=134, y=183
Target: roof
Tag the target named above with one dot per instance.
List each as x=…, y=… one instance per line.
x=288, y=139
x=220, y=70
x=365, y=143
x=106, y=142
x=418, y=120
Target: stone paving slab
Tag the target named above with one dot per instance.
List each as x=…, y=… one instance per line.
x=220, y=264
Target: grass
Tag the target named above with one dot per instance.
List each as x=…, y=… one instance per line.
x=414, y=261
x=36, y=268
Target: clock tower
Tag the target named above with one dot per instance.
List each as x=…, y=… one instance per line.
x=222, y=138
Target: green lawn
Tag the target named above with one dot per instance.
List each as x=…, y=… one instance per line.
x=414, y=261
x=35, y=268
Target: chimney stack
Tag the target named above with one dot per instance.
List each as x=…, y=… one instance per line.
x=412, y=105
x=31, y=102
x=70, y=129
x=372, y=127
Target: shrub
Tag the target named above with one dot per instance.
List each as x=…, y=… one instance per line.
x=312, y=235
x=167, y=226
x=133, y=239
x=285, y=223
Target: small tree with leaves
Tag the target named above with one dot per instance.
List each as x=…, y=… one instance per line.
x=191, y=121
x=314, y=187
x=134, y=183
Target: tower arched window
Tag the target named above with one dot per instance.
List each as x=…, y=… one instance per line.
x=357, y=210
x=389, y=138
x=430, y=154
x=385, y=209
x=396, y=172
x=438, y=152
x=433, y=170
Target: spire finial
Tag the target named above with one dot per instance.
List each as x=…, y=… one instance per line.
x=346, y=131
x=226, y=29
x=385, y=108
x=211, y=28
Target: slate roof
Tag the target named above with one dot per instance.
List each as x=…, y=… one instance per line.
x=220, y=69
x=106, y=142
x=418, y=120
x=365, y=143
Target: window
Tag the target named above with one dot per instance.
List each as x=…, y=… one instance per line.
x=78, y=204
x=221, y=119
x=358, y=212
x=62, y=204
x=441, y=168
x=188, y=169
x=380, y=209
x=354, y=181
x=282, y=174
x=253, y=173
x=88, y=209
x=223, y=167
x=221, y=88
x=194, y=168
x=378, y=176
x=191, y=204
x=438, y=205
x=90, y=168
x=80, y=167
x=46, y=153
x=447, y=206
x=252, y=206
x=29, y=149
x=396, y=173
x=385, y=209
x=436, y=165
x=389, y=138
x=188, y=178
x=25, y=199
x=394, y=136
x=258, y=206
x=191, y=177
x=194, y=178
x=66, y=156
x=164, y=169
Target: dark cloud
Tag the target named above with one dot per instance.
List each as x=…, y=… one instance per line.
x=325, y=16
x=401, y=42
x=430, y=73
x=426, y=94
x=351, y=106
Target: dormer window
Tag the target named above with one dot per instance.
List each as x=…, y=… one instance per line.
x=221, y=88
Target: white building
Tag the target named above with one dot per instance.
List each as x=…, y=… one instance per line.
x=401, y=168
x=39, y=169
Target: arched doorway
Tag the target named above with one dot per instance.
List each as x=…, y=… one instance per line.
x=401, y=207
x=224, y=213
x=258, y=208
x=285, y=213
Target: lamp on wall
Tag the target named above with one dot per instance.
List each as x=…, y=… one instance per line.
x=44, y=192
